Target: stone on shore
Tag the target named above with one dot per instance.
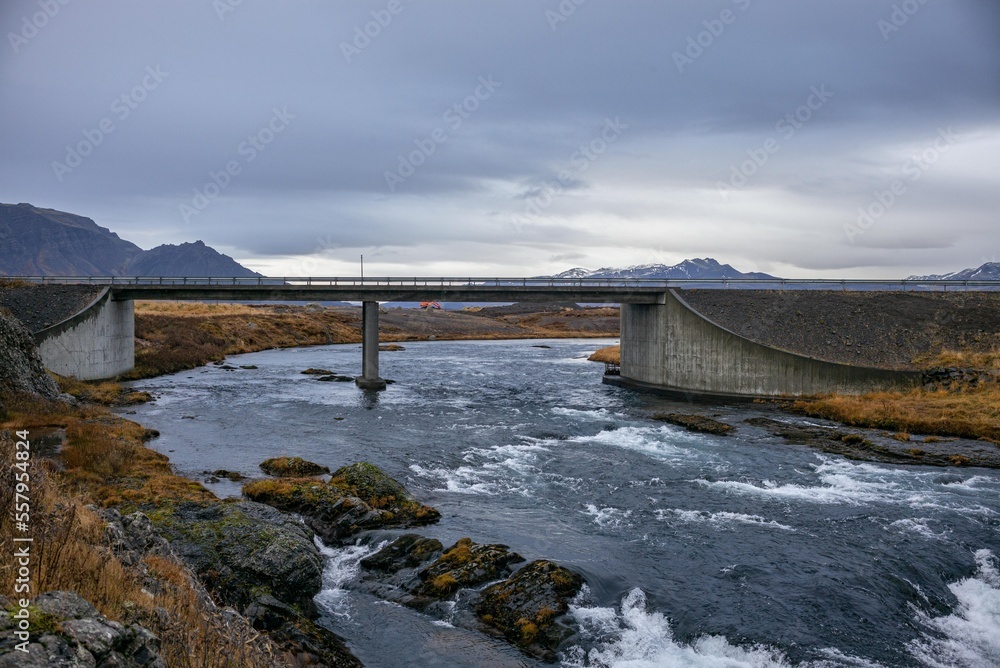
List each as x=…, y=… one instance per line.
x=243, y=550
x=67, y=632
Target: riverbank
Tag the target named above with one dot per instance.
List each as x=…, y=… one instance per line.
x=176, y=336
x=960, y=400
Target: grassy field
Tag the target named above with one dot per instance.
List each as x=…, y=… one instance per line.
x=963, y=411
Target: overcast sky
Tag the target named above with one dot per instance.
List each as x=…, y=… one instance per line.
x=806, y=138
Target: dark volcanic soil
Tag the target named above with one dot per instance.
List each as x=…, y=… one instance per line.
x=881, y=329
x=39, y=307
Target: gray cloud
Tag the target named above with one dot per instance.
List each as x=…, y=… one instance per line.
x=652, y=195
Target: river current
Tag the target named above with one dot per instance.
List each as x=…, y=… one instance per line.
x=698, y=550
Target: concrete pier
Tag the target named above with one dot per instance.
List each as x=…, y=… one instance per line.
x=369, y=378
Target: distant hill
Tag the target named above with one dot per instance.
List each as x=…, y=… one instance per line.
x=188, y=259
x=44, y=242
x=988, y=272
x=691, y=269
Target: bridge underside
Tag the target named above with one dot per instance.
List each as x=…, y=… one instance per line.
x=377, y=293
x=371, y=295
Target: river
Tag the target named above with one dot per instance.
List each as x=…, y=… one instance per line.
x=698, y=550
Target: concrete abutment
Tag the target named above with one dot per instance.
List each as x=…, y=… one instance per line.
x=95, y=344
x=673, y=348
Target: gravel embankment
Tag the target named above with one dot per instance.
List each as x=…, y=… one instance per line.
x=39, y=306
x=880, y=329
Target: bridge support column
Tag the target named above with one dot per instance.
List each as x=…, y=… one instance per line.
x=369, y=378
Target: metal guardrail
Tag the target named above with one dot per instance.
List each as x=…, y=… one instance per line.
x=443, y=282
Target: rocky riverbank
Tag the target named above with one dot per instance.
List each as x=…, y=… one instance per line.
x=526, y=606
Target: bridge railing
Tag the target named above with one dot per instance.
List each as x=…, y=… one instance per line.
x=540, y=282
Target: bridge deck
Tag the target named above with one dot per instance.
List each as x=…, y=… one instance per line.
x=587, y=290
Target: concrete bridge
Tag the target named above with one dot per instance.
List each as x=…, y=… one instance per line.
x=666, y=345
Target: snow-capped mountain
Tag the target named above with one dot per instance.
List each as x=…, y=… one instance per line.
x=988, y=272
x=704, y=268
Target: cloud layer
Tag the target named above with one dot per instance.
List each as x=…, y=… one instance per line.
x=808, y=138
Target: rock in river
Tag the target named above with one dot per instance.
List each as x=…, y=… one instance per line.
x=359, y=497
x=526, y=608
x=291, y=467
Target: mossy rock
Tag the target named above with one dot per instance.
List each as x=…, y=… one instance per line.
x=698, y=423
x=408, y=551
x=465, y=565
x=526, y=608
x=295, y=467
x=242, y=550
x=358, y=498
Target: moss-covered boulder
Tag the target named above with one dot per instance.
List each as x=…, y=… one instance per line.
x=526, y=608
x=465, y=565
x=291, y=467
x=244, y=550
x=359, y=497
x=698, y=423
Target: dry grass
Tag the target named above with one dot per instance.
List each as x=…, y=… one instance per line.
x=973, y=413
x=962, y=411
x=106, y=393
x=985, y=361
x=173, y=337
x=609, y=355
x=70, y=552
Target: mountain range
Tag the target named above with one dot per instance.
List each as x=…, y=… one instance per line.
x=988, y=272
x=45, y=242
x=703, y=268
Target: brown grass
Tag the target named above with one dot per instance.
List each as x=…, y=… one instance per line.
x=106, y=393
x=973, y=413
x=988, y=361
x=172, y=336
x=609, y=355
x=70, y=552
